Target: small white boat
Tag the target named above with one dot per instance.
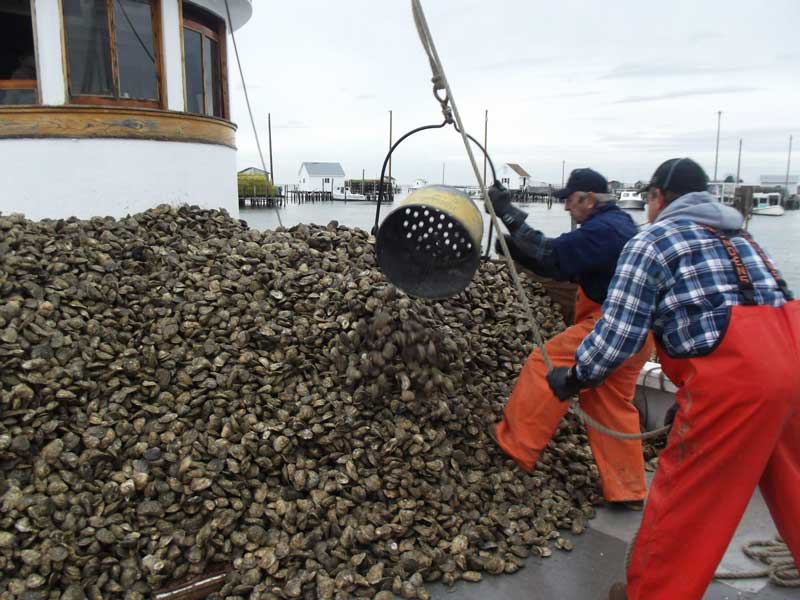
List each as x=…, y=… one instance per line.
x=344, y=193
x=631, y=199
x=768, y=205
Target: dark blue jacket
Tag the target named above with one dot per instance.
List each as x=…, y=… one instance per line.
x=587, y=255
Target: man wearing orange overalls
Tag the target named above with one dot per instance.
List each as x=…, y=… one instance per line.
x=588, y=256
x=728, y=335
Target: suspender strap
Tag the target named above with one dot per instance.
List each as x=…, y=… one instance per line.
x=746, y=288
x=787, y=294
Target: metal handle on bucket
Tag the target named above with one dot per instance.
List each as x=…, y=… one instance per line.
x=389, y=155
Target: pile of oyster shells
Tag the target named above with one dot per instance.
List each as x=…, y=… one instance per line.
x=179, y=393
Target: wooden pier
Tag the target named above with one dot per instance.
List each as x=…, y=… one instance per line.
x=285, y=198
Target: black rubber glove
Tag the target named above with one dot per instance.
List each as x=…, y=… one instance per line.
x=516, y=253
x=564, y=382
x=508, y=214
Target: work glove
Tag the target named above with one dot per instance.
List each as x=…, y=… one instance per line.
x=564, y=382
x=508, y=214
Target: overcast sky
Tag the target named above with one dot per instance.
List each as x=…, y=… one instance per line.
x=619, y=85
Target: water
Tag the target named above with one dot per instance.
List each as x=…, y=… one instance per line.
x=779, y=236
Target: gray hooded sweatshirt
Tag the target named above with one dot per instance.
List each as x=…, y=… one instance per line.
x=703, y=209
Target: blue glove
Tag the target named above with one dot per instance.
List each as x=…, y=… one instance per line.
x=501, y=201
x=564, y=382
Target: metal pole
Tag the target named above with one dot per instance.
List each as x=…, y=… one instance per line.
x=442, y=172
x=271, y=169
x=391, y=187
x=485, y=141
x=739, y=162
x=788, y=166
x=716, y=155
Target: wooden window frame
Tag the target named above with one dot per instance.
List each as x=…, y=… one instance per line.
x=94, y=100
x=219, y=35
x=25, y=84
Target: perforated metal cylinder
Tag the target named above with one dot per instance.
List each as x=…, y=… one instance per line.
x=430, y=245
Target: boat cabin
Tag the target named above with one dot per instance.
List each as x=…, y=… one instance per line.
x=110, y=107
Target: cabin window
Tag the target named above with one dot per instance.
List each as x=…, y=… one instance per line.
x=203, y=47
x=17, y=55
x=113, y=51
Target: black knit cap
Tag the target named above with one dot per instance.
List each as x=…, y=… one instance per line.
x=680, y=176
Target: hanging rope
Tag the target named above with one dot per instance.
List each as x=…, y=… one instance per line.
x=440, y=83
x=249, y=109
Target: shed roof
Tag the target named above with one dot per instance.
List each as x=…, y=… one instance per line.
x=518, y=170
x=323, y=169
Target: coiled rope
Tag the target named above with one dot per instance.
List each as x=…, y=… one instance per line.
x=775, y=554
x=440, y=83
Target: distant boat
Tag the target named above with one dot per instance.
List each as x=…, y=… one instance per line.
x=768, y=205
x=344, y=193
x=631, y=199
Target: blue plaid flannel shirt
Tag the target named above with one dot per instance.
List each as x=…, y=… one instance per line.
x=674, y=278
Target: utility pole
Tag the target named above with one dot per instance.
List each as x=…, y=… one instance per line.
x=485, y=143
x=271, y=169
x=391, y=187
x=443, y=172
x=716, y=155
x=363, y=189
x=563, y=166
x=788, y=166
x=739, y=162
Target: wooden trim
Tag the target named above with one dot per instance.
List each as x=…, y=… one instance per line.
x=112, y=50
x=90, y=122
x=195, y=26
x=111, y=101
x=158, y=48
x=222, y=44
x=17, y=84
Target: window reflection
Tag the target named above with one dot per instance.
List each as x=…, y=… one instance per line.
x=136, y=49
x=112, y=50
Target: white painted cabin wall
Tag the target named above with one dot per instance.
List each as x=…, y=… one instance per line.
x=172, y=36
x=58, y=178
x=50, y=59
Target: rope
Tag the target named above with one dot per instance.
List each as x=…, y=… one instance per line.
x=775, y=554
x=249, y=109
x=440, y=82
x=781, y=568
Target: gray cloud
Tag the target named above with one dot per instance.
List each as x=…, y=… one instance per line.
x=650, y=71
x=686, y=94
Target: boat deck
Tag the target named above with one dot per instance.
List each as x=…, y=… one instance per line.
x=597, y=561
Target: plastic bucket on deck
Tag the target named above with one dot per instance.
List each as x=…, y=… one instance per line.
x=430, y=246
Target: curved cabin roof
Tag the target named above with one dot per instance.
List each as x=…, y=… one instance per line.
x=241, y=10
